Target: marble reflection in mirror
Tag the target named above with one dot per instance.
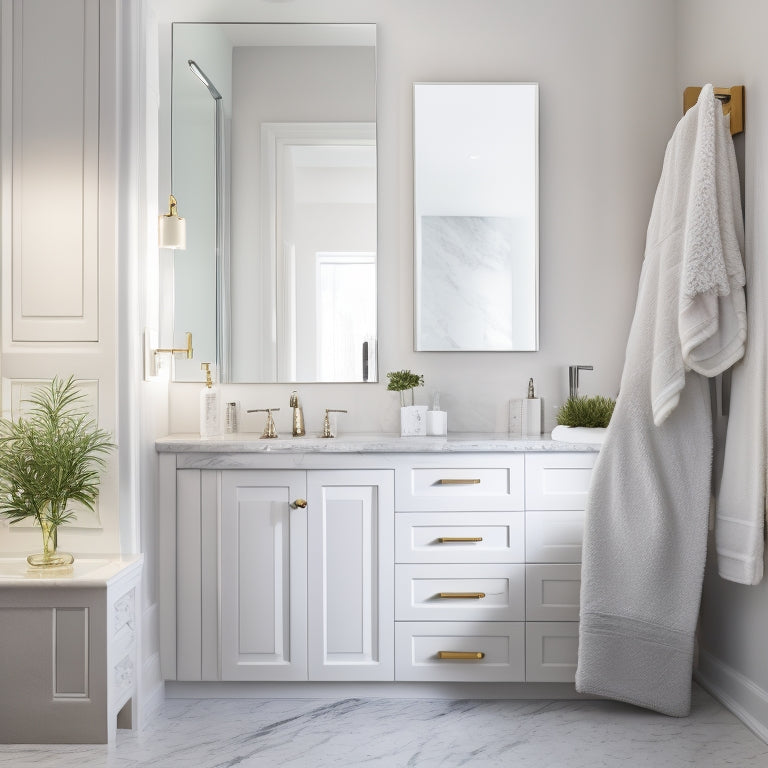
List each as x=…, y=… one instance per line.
x=476, y=216
x=293, y=290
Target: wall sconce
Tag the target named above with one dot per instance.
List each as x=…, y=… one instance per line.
x=150, y=353
x=171, y=228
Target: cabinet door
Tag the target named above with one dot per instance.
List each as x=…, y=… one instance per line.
x=263, y=575
x=351, y=555
x=558, y=480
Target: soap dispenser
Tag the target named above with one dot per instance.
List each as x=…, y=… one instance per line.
x=531, y=413
x=209, y=405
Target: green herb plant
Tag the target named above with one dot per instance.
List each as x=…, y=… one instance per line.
x=51, y=456
x=400, y=381
x=586, y=411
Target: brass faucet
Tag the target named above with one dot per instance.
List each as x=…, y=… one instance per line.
x=327, y=422
x=298, y=415
x=269, y=427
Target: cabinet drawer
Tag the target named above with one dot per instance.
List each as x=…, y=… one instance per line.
x=552, y=592
x=496, y=651
x=449, y=484
x=558, y=480
x=551, y=651
x=459, y=592
x=459, y=537
x=554, y=536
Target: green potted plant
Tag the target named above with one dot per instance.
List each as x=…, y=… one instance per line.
x=594, y=412
x=591, y=415
x=50, y=457
x=413, y=418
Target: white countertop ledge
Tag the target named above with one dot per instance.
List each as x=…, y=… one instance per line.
x=457, y=442
x=86, y=571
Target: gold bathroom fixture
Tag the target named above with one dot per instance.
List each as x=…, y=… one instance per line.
x=471, y=655
x=187, y=351
x=732, y=100
x=461, y=595
x=298, y=415
x=269, y=428
x=327, y=421
x=453, y=539
x=171, y=228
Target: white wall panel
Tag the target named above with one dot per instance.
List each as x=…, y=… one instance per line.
x=55, y=160
x=59, y=121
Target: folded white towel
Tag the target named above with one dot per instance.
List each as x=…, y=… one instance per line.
x=648, y=507
x=564, y=434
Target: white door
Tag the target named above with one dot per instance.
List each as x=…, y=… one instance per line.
x=350, y=563
x=263, y=575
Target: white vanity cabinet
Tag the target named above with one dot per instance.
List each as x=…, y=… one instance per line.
x=488, y=569
x=460, y=570
x=263, y=575
x=556, y=487
x=405, y=565
x=269, y=589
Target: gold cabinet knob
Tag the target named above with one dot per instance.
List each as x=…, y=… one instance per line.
x=299, y=504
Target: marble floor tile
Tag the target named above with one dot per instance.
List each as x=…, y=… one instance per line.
x=394, y=733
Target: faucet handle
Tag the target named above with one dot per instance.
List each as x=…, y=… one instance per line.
x=269, y=427
x=327, y=432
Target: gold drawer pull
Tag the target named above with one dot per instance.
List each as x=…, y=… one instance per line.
x=470, y=595
x=474, y=655
x=446, y=539
x=459, y=481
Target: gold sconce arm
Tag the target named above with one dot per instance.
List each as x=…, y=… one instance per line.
x=181, y=350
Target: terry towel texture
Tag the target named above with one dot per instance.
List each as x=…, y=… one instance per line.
x=648, y=507
x=740, y=514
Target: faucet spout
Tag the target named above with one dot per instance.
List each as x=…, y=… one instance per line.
x=573, y=378
x=298, y=415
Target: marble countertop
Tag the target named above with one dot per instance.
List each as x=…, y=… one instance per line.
x=458, y=442
x=86, y=571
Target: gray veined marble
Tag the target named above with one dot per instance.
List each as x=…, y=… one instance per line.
x=429, y=733
x=475, y=277
x=455, y=442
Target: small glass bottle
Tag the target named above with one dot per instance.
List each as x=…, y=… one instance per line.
x=230, y=418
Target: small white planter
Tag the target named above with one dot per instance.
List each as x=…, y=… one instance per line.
x=413, y=420
x=594, y=435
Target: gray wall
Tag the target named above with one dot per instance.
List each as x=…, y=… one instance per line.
x=607, y=108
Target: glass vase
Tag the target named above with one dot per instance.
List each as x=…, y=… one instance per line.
x=50, y=557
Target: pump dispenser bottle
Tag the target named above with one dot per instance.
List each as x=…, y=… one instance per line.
x=531, y=412
x=209, y=405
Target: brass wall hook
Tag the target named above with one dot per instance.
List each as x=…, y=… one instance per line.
x=732, y=100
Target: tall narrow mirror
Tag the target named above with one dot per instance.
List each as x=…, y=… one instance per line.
x=283, y=288
x=476, y=216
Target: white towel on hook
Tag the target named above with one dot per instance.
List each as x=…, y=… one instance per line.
x=701, y=321
x=740, y=509
x=648, y=507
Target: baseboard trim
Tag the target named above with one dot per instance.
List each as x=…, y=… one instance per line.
x=389, y=690
x=739, y=694
x=151, y=697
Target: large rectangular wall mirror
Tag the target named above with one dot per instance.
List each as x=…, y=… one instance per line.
x=476, y=216
x=274, y=168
